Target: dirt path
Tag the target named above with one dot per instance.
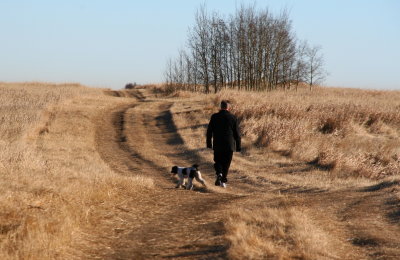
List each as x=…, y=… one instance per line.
x=142, y=139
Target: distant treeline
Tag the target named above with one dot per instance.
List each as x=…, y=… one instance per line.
x=251, y=50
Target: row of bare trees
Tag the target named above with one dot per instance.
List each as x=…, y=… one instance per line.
x=251, y=50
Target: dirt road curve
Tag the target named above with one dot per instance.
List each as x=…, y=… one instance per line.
x=141, y=139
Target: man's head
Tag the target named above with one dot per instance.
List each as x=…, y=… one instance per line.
x=225, y=105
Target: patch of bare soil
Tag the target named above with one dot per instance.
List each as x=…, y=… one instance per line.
x=142, y=139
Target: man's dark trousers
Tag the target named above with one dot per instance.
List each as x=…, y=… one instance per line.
x=224, y=138
x=222, y=161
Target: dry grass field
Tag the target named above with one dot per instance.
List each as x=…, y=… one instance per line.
x=58, y=196
x=84, y=174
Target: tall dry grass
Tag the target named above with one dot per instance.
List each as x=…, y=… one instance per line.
x=349, y=131
x=57, y=194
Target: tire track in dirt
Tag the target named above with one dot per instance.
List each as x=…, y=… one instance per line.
x=140, y=139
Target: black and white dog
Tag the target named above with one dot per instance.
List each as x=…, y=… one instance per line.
x=188, y=173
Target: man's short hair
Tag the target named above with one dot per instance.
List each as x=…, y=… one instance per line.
x=225, y=104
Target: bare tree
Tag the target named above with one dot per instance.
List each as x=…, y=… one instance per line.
x=200, y=43
x=314, y=63
x=300, y=66
x=169, y=73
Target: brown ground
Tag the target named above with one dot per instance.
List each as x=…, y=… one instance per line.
x=142, y=138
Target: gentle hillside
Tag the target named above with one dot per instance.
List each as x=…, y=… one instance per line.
x=85, y=173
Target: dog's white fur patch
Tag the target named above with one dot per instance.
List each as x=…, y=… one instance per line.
x=185, y=180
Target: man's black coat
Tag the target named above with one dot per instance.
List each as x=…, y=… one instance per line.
x=224, y=133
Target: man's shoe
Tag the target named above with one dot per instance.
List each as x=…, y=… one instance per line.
x=218, y=180
x=223, y=184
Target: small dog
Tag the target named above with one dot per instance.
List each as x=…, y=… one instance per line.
x=188, y=173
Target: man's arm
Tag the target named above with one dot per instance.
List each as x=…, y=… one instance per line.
x=209, y=133
x=236, y=136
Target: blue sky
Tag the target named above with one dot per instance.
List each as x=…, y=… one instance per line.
x=110, y=43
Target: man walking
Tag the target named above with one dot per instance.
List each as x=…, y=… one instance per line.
x=224, y=133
